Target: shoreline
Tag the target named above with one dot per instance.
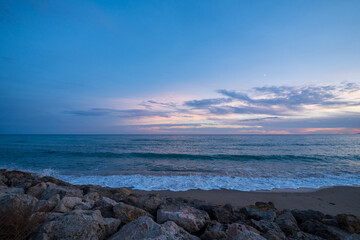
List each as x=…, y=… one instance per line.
x=330, y=200
x=43, y=207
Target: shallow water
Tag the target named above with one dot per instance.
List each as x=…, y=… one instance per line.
x=182, y=162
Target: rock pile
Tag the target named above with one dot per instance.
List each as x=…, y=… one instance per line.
x=95, y=212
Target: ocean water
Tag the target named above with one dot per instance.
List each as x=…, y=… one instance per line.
x=182, y=162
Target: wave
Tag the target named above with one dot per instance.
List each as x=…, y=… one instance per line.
x=210, y=182
x=149, y=155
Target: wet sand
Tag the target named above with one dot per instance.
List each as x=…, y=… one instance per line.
x=333, y=200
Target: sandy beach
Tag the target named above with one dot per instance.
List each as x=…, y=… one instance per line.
x=332, y=200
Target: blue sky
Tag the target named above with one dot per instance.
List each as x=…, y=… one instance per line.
x=179, y=66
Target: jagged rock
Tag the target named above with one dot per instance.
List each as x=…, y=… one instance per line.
x=86, y=204
x=94, y=196
x=237, y=231
x=287, y=223
x=214, y=231
x=348, y=222
x=105, y=205
x=78, y=224
x=16, y=178
x=13, y=200
x=150, y=202
x=145, y=228
x=67, y=204
x=63, y=191
x=322, y=230
x=304, y=236
x=270, y=229
x=37, y=189
x=191, y=219
x=304, y=215
x=51, y=181
x=120, y=194
x=127, y=213
x=11, y=190
x=258, y=214
x=223, y=214
x=48, y=205
x=265, y=206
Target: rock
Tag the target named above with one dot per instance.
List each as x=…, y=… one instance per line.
x=36, y=190
x=270, y=229
x=287, y=223
x=48, y=205
x=353, y=237
x=51, y=181
x=16, y=178
x=78, y=224
x=145, y=228
x=189, y=218
x=127, y=213
x=150, y=202
x=304, y=236
x=322, y=230
x=67, y=204
x=120, y=194
x=11, y=190
x=258, y=214
x=94, y=196
x=86, y=204
x=105, y=205
x=238, y=231
x=304, y=215
x=348, y=222
x=330, y=220
x=214, y=231
x=23, y=201
x=223, y=214
x=265, y=206
x=63, y=191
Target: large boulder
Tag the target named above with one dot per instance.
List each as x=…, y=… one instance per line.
x=348, y=222
x=223, y=214
x=18, y=201
x=191, y=219
x=105, y=205
x=127, y=213
x=287, y=223
x=237, y=231
x=49, y=205
x=145, y=228
x=150, y=202
x=327, y=232
x=304, y=215
x=16, y=178
x=63, y=191
x=36, y=190
x=80, y=225
x=270, y=230
x=259, y=214
x=67, y=204
x=214, y=231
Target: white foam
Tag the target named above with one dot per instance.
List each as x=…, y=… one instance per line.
x=209, y=182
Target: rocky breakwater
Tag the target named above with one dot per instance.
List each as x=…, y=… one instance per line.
x=35, y=207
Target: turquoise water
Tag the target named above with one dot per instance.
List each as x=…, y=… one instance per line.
x=182, y=162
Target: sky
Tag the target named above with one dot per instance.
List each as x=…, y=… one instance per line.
x=180, y=67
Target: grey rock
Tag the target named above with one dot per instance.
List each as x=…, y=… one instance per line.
x=304, y=236
x=48, y=205
x=78, y=224
x=67, y=204
x=269, y=229
x=348, y=222
x=322, y=230
x=237, y=231
x=214, y=231
x=150, y=203
x=304, y=215
x=145, y=228
x=191, y=219
x=287, y=223
x=127, y=213
x=63, y=191
x=258, y=214
x=105, y=205
x=37, y=189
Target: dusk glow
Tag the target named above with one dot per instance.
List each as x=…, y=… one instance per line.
x=247, y=67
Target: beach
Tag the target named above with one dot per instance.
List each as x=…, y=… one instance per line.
x=332, y=200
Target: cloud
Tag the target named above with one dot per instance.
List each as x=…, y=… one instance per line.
x=205, y=103
x=127, y=113
x=267, y=109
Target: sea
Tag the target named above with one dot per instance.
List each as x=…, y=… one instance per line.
x=183, y=162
